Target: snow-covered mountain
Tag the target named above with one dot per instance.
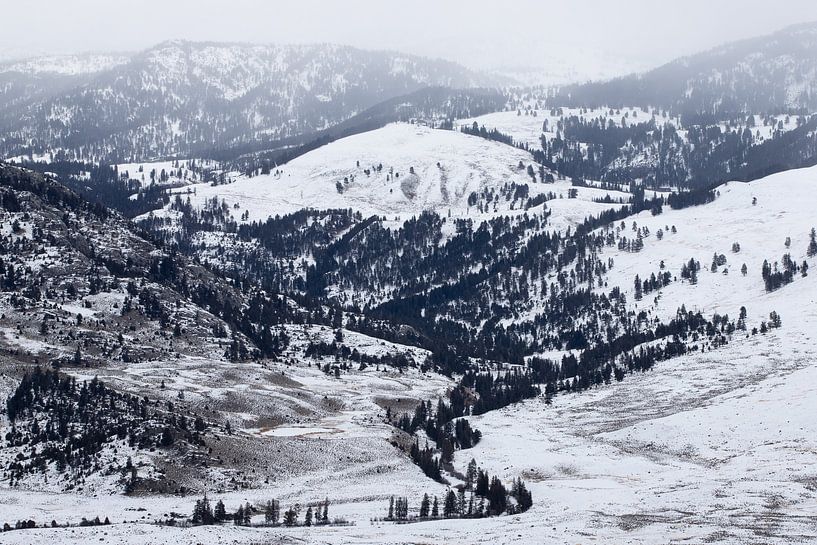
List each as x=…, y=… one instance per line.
x=739, y=111
x=398, y=171
x=68, y=65
x=714, y=433
x=766, y=74
x=179, y=97
x=517, y=316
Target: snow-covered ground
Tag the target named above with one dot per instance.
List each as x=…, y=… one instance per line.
x=177, y=172
x=448, y=166
x=715, y=446
x=67, y=65
x=764, y=127
x=712, y=447
x=785, y=208
x=528, y=124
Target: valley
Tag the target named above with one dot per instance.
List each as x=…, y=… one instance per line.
x=318, y=294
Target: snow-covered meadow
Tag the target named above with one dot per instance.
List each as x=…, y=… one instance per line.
x=713, y=446
x=411, y=169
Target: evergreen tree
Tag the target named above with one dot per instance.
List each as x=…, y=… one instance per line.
x=471, y=474
x=272, y=512
x=425, y=506
x=203, y=512
x=462, y=505
x=497, y=497
x=220, y=513
x=290, y=517
x=450, y=504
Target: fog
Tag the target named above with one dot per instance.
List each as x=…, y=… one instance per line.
x=480, y=34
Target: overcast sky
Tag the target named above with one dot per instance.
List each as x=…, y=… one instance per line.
x=479, y=33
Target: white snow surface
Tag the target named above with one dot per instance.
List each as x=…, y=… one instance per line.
x=448, y=167
x=527, y=128
x=67, y=65
x=709, y=447
x=466, y=164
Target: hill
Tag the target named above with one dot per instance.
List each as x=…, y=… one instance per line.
x=399, y=170
x=737, y=112
x=673, y=415
x=557, y=317
x=186, y=97
x=767, y=74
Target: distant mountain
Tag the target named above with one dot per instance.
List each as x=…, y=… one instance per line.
x=768, y=74
x=67, y=65
x=368, y=313
x=183, y=97
x=23, y=82
x=737, y=112
x=437, y=106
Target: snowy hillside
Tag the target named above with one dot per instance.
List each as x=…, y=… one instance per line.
x=68, y=65
x=397, y=171
x=317, y=294
x=180, y=96
x=234, y=70
x=528, y=123
x=711, y=444
x=783, y=210
x=703, y=446
x=654, y=146
x=754, y=75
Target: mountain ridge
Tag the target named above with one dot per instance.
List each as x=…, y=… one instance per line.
x=180, y=97
x=744, y=76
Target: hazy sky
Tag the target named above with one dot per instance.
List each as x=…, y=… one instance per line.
x=478, y=33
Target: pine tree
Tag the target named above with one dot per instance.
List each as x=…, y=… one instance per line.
x=308, y=517
x=272, y=512
x=812, y=245
x=523, y=497
x=197, y=513
x=471, y=474
x=425, y=505
x=496, y=497
x=401, y=508
x=481, y=488
x=202, y=512
x=450, y=504
x=220, y=513
x=290, y=517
